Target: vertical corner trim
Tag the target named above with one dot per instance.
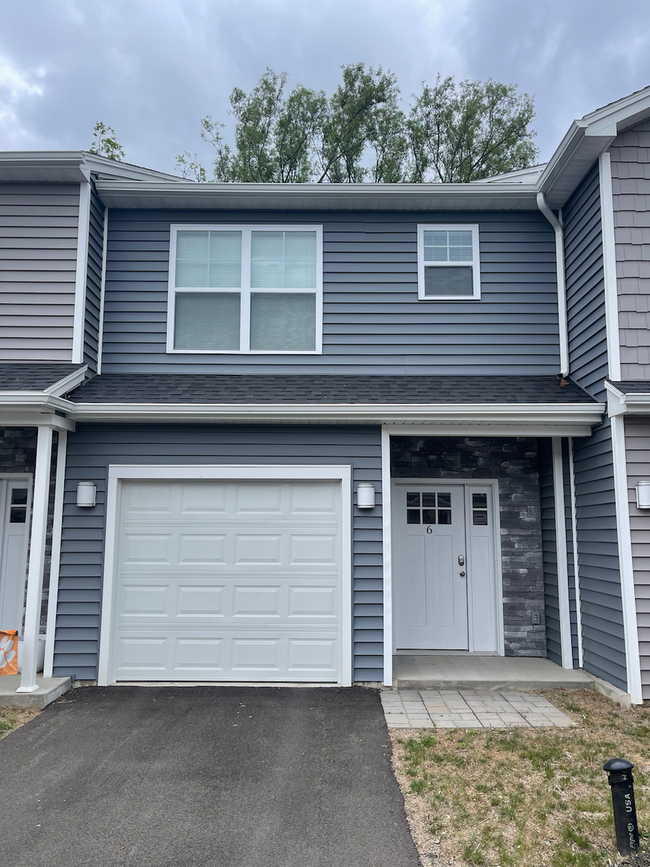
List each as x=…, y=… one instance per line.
x=388, y=554
x=576, y=558
x=102, y=295
x=53, y=594
x=628, y=595
x=561, y=554
x=81, y=274
x=609, y=267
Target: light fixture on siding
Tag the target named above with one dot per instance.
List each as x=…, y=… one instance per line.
x=643, y=495
x=365, y=496
x=86, y=494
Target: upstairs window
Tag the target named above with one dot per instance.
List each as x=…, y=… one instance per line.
x=240, y=289
x=448, y=263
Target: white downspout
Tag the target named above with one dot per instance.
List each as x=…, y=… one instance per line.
x=561, y=283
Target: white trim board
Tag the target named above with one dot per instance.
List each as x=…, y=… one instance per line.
x=235, y=472
x=562, y=561
x=628, y=595
x=81, y=273
x=609, y=266
x=386, y=494
x=53, y=592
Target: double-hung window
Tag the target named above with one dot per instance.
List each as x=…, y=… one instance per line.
x=448, y=263
x=256, y=289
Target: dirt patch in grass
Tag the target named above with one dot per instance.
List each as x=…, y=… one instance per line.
x=12, y=718
x=524, y=797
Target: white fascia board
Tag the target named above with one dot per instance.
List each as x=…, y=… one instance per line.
x=72, y=380
x=609, y=267
x=81, y=274
x=610, y=118
x=541, y=414
x=36, y=419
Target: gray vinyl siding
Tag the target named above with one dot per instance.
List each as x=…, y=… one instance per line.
x=94, y=447
x=38, y=252
x=602, y=615
x=631, y=193
x=549, y=551
x=373, y=320
x=637, y=447
x=93, y=280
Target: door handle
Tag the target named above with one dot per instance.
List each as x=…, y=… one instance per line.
x=461, y=560
x=462, y=574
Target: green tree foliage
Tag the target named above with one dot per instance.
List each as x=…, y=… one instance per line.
x=452, y=132
x=105, y=143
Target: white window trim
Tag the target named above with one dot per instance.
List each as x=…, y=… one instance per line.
x=244, y=290
x=234, y=472
x=476, y=268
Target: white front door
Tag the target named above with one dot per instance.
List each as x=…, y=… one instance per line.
x=445, y=570
x=431, y=578
x=14, y=527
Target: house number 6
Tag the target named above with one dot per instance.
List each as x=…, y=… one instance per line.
x=429, y=529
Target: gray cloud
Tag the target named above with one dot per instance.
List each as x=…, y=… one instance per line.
x=153, y=69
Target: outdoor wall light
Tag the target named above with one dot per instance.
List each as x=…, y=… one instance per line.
x=86, y=494
x=365, y=496
x=643, y=495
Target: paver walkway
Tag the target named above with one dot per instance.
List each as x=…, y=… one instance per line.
x=468, y=708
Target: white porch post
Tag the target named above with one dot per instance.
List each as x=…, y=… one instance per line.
x=36, y=559
x=56, y=552
x=561, y=555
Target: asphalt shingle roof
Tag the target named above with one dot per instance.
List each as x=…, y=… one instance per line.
x=33, y=377
x=308, y=389
x=633, y=386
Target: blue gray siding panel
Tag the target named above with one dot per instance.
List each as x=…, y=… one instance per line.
x=373, y=321
x=38, y=256
x=93, y=280
x=602, y=615
x=631, y=194
x=94, y=447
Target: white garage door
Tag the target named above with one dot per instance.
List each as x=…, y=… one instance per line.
x=228, y=580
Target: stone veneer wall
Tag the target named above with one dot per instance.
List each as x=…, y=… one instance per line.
x=514, y=462
x=18, y=455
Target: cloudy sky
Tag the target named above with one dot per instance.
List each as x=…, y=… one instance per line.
x=153, y=68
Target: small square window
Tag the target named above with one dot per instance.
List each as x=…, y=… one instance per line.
x=428, y=516
x=448, y=263
x=412, y=516
x=413, y=500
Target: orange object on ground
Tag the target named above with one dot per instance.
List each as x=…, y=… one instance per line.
x=8, y=651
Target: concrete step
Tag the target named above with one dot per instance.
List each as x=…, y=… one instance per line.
x=49, y=689
x=466, y=671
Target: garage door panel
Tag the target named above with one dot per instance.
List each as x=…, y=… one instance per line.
x=228, y=581
x=202, y=549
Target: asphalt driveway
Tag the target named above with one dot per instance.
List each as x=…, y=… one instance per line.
x=229, y=776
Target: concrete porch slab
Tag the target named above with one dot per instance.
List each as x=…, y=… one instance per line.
x=49, y=689
x=466, y=671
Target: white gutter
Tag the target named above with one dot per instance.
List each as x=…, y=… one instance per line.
x=561, y=283
x=619, y=403
x=62, y=386
x=580, y=413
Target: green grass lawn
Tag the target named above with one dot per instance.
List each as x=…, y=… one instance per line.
x=524, y=797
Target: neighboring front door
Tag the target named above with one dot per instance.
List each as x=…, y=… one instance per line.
x=446, y=570
x=14, y=524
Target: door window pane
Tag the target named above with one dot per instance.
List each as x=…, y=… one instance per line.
x=412, y=516
x=413, y=500
x=444, y=516
x=479, y=501
x=429, y=501
x=19, y=497
x=444, y=501
x=17, y=515
x=429, y=516
x=479, y=518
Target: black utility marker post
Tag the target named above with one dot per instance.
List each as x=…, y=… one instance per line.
x=622, y=783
